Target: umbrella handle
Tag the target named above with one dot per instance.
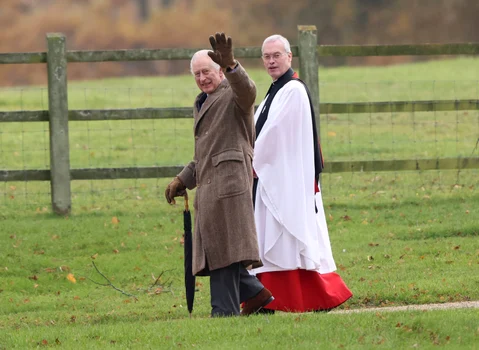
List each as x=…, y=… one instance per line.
x=187, y=208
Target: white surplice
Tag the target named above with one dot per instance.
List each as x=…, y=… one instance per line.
x=291, y=235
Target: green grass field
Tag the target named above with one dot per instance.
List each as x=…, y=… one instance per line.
x=398, y=238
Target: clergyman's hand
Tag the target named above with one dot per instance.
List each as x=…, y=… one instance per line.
x=174, y=189
x=222, y=50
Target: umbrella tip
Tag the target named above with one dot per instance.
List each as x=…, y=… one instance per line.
x=190, y=314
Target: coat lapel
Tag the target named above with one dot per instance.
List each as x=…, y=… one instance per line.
x=210, y=101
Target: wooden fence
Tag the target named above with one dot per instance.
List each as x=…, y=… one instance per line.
x=58, y=115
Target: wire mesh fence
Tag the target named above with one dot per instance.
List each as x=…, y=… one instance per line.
x=398, y=135
x=165, y=142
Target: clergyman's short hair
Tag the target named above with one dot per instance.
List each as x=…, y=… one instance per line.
x=277, y=37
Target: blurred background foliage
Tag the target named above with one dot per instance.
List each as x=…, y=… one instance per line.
x=126, y=24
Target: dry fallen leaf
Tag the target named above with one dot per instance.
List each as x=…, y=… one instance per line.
x=71, y=278
x=115, y=220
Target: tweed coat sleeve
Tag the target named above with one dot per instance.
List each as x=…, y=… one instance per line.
x=244, y=89
x=188, y=175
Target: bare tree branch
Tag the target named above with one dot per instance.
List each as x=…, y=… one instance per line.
x=109, y=283
x=158, y=279
x=163, y=287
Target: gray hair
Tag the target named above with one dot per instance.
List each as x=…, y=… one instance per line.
x=277, y=37
x=203, y=53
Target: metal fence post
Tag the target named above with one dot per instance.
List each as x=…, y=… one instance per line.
x=58, y=121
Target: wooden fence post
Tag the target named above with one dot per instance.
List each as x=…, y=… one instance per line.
x=58, y=121
x=308, y=64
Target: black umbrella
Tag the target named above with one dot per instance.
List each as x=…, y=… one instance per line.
x=188, y=246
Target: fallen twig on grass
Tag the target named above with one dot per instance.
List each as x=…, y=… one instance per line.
x=109, y=283
x=157, y=288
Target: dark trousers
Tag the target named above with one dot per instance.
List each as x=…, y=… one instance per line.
x=230, y=286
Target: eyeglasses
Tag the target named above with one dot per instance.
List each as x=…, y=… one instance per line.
x=275, y=56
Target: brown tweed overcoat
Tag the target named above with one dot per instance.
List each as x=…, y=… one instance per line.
x=224, y=230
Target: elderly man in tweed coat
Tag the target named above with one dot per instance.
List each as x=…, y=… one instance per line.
x=225, y=240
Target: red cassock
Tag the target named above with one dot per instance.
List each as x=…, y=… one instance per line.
x=303, y=290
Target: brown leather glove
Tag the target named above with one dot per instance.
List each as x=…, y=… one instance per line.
x=174, y=189
x=222, y=50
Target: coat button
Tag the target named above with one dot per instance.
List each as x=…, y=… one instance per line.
x=206, y=133
x=209, y=181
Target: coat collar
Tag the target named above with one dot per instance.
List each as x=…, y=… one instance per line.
x=210, y=100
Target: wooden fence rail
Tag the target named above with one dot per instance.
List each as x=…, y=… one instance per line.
x=187, y=112
x=246, y=52
x=308, y=51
